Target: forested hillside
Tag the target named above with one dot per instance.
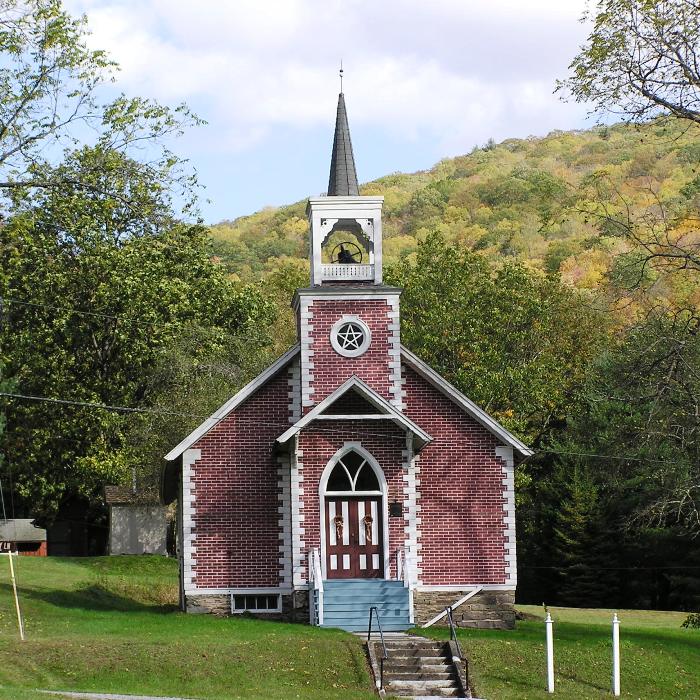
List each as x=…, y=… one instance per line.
x=530, y=199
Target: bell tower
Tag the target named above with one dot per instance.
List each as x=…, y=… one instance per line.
x=348, y=320
x=346, y=228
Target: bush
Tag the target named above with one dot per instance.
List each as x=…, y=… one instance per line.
x=692, y=621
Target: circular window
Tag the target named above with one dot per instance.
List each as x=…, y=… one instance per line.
x=350, y=336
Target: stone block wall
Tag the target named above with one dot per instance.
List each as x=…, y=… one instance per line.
x=295, y=607
x=486, y=610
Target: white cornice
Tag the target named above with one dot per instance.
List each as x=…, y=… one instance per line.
x=234, y=401
x=451, y=392
x=381, y=404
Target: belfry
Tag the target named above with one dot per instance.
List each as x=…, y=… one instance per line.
x=348, y=474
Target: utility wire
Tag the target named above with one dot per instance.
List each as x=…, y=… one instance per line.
x=283, y=425
x=91, y=404
x=78, y=312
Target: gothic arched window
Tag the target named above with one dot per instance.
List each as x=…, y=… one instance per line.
x=352, y=472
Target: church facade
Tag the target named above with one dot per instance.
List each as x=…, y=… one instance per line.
x=349, y=473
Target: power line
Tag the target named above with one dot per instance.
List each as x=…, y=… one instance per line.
x=283, y=425
x=78, y=312
x=621, y=458
x=154, y=411
x=91, y=404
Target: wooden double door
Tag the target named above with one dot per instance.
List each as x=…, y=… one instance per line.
x=354, y=537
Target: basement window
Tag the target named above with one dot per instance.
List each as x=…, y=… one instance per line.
x=259, y=602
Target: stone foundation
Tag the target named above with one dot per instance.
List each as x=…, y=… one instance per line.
x=295, y=606
x=486, y=610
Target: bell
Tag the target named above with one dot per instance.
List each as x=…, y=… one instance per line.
x=345, y=256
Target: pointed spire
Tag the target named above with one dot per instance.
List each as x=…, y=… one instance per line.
x=343, y=178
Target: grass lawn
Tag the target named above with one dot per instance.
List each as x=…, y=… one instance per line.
x=109, y=624
x=659, y=659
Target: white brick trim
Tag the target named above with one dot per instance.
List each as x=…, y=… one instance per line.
x=306, y=340
x=189, y=549
x=284, y=522
x=247, y=391
x=294, y=390
x=296, y=491
x=411, y=469
x=394, y=340
x=506, y=456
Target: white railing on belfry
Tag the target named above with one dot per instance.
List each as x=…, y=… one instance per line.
x=315, y=588
x=347, y=272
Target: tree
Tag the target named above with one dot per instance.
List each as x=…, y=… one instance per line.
x=5, y=386
x=516, y=342
x=642, y=59
x=96, y=293
x=50, y=83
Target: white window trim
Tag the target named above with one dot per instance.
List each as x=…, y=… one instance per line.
x=365, y=343
x=322, y=493
x=236, y=611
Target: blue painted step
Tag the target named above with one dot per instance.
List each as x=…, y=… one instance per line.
x=346, y=604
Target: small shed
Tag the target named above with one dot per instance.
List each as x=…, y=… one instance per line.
x=137, y=521
x=26, y=538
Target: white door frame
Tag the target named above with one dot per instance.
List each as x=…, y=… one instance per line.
x=383, y=492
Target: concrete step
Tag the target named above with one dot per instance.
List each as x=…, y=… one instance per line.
x=402, y=644
x=393, y=676
x=418, y=688
x=391, y=666
x=431, y=654
x=432, y=695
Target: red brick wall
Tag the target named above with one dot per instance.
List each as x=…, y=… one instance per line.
x=461, y=491
x=384, y=441
x=236, y=493
x=330, y=369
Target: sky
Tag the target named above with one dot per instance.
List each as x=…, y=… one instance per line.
x=424, y=80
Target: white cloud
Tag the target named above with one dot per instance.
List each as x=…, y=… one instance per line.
x=452, y=69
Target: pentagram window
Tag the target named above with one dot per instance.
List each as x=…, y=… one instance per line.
x=350, y=336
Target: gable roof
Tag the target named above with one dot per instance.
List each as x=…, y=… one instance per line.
x=386, y=412
x=451, y=392
x=233, y=402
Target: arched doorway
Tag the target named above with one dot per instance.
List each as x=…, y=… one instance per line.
x=353, y=502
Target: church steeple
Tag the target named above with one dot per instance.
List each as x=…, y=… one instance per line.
x=343, y=178
x=346, y=228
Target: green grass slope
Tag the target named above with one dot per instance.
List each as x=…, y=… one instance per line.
x=659, y=659
x=110, y=625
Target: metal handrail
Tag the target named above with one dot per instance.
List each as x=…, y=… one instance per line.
x=453, y=636
x=385, y=655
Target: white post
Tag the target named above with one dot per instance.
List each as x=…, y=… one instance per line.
x=14, y=590
x=616, y=656
x=550, y=654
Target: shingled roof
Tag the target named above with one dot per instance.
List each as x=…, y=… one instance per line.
x=343, y=178
x=125, y=496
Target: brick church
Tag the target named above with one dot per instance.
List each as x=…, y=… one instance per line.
x=349, y=473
